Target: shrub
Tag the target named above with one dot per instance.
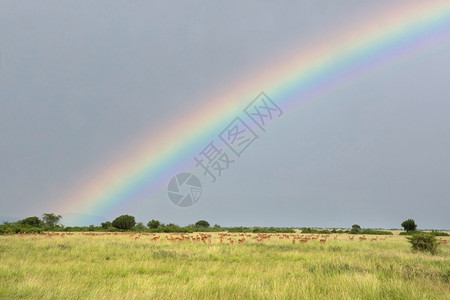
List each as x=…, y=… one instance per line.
x=439, y=233
x=124, y=222
x=425, y=242
x=409, y=225
x=409, y=232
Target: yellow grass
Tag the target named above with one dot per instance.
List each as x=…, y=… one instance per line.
x=122, y=267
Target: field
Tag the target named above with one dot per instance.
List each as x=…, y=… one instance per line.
x=196, y=266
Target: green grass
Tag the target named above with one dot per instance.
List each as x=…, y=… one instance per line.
x=120, y=267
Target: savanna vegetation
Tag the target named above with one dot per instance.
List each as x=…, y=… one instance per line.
x=128, y=260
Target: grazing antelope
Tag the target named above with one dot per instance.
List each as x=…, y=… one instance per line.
x=323, y=241
x=362, y=238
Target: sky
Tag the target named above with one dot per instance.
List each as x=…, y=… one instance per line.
x=84, y=84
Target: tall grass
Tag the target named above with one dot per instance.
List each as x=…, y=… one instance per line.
x=121, y=267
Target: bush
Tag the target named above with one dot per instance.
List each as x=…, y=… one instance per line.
x=18, y=228
x=439, y=233
x=376, y=232
x=409, y=232
x=425, y=242
x=124, y=222
x=409, y=225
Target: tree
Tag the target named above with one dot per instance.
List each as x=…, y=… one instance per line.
x=409, y=225
x=139, y=227
x=153, y=224
x=124, y=222
x=202, y=223
x=106, y=225
x=51, y=219
x=32, y=221
x=355, y=228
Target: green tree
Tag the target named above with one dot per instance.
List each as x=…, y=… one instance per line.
x=409, y=225
x=355, y=228
x=124, y=222
x=106, y=225
x=32, y=221
x=153, y=224
x=202, y=223
x=140, y=227
x=51, y=219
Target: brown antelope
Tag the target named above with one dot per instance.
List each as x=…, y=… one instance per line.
x=323, y=241
x=362, y=238
x=351, y=238
x=231, y=242
x=155, y=239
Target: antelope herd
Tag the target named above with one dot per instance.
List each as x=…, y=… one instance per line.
x=205, y=238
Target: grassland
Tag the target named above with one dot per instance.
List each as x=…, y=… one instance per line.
x=123, y=266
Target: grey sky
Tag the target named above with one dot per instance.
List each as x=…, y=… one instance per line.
x=82, y=82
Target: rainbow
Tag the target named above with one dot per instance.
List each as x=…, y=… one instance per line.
x=291, y=81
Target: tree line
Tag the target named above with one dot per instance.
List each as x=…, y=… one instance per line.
x=51, y=222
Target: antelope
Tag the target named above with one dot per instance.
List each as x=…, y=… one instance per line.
x=351, y=238
x=231, y=242
x=362, y=238
x=323, y=241
x=155, y=239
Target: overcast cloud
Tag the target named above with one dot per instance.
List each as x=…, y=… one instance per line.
x=82, y=82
